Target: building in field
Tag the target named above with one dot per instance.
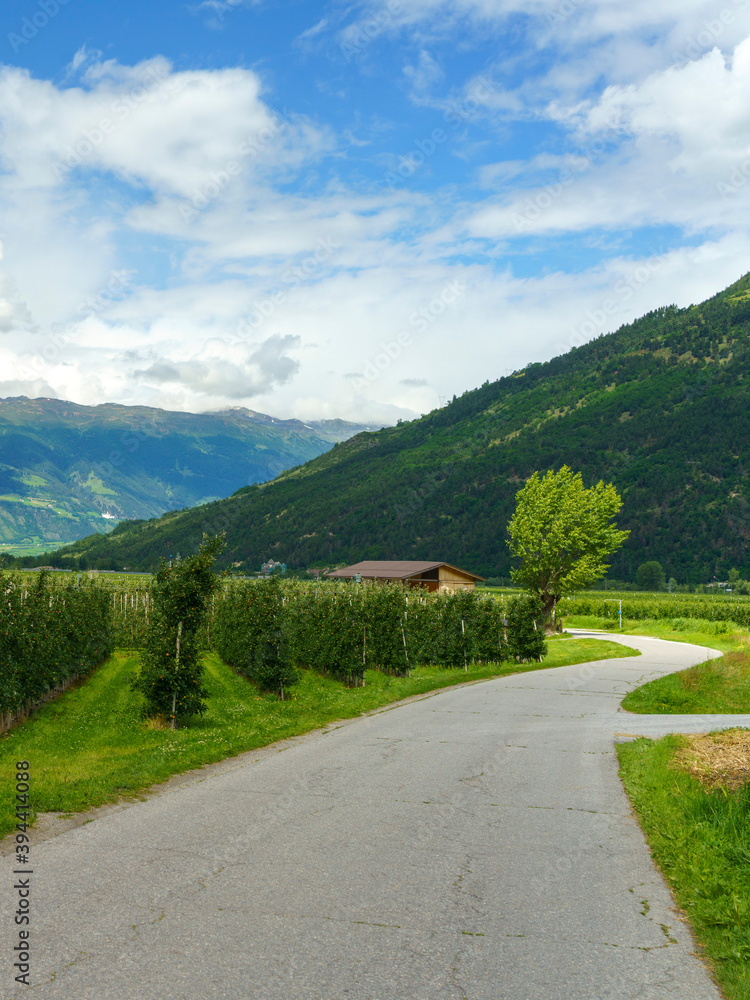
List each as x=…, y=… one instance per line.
x=272, y=568
x=430, y=576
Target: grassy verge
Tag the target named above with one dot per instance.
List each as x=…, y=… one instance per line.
x=725, y=636
x=91, y=747
x=717, y=686
x=700, y=838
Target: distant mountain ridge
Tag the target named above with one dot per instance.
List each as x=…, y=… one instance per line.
x=67, y=470
x=661, y=408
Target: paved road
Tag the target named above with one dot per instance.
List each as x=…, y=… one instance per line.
x=476, y=844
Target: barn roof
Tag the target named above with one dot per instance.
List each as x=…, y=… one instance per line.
x=394, y=569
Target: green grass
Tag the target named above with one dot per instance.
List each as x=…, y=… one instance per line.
x=701, y=841
x=31, y=548
x=90, y=746
x=719, y=686
x=95, y=484
x=30, y=480
x=726, y=636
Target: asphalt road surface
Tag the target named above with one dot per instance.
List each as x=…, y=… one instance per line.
x=474, y=844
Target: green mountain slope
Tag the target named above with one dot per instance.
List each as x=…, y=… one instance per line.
x=67, y=470
x=661, y=408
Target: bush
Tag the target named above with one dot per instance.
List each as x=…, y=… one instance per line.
x=48, y=637
x=650, y=576
x=525, y=629
x=251, y=633
x=385, y=613
x=171, y=674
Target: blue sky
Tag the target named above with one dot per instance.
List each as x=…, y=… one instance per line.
x=355, y=209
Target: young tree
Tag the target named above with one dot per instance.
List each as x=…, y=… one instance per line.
x=650, y=576
x=562, y=534
x=171, y=673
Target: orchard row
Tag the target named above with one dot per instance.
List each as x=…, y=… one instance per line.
x=48, y=637
x=268, y=630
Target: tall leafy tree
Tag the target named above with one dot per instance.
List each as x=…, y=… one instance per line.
x=562, y=533
x=172, y=673
x=650, y=576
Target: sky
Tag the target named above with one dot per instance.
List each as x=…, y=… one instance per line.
x=355, y=209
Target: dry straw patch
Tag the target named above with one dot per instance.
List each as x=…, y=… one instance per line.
x=717, y=759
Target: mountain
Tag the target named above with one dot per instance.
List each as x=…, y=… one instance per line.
x=68, y=470
x=661, y=408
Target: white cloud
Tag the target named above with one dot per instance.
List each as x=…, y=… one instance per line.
x=424, y=74
x=275, y=297
x=145, y=124
x=672, y=150
x=260, y=369
x=585, y=18
x=14, y=313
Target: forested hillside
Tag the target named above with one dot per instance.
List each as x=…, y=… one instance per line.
x=661, y=408
x=67, y=470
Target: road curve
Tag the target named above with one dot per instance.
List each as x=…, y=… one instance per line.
x=475, y=844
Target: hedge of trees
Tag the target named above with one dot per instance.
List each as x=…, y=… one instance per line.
x=661, y=608
x=268, y=630
x=48, y=636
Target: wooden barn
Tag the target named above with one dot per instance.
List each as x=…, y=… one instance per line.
x=427, y=575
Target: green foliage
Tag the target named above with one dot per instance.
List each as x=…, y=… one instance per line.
x=650, y=576
x=48, y=636
x=342, y=630
x=170, y=678
x=659, y=408
x=448, y=629
x=328, y=632
x=526, y=628
x=130, y=617
x=386, y=617
x=713, y=610
x=562, y=534
x=251, y=633
x=489, y=631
